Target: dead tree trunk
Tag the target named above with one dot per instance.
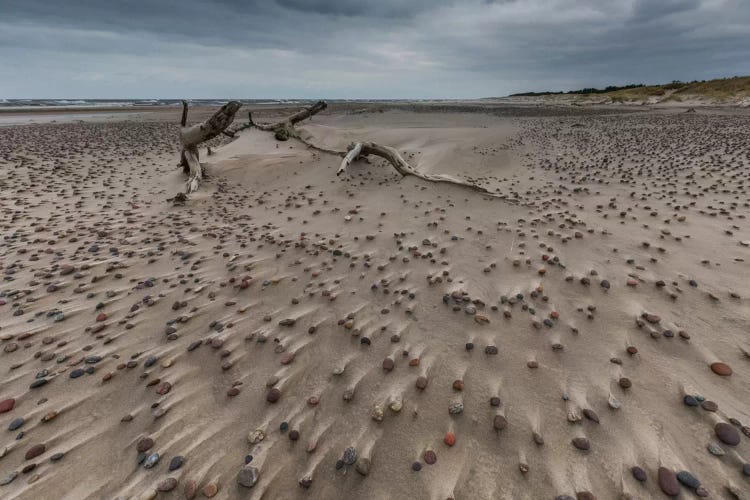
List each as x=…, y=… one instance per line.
x=358, y=149
x=284, y=129
x=191, y=137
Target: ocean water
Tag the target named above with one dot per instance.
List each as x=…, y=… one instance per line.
x=6, y=104
x=127, y=103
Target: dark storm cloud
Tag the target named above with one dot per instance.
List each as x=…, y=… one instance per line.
x=361, y=48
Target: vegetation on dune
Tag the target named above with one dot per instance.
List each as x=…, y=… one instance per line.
x=723, y=88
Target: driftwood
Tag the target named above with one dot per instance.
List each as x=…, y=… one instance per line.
x=192, y=137
x=284, y=129
x=358, y=149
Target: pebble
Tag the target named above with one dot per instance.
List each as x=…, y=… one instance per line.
x=421, y=383
x=727, y=434
x=256, y=436
x=363, y=466
x=16, y=423
x=581, y=443
x=190, y=490
x=638, y=473
x=591, y=415
x=430, y=457
x=721, y=369
x=35, y=451
x=167, y=485
x=176, y=462
x=710, y=406
x=9, y=478
x=151, y=461
x=144, y=444
x=415, y=466
x=668, y=482
x=350, y=456
x=690, y=400
x=687, y=479
x=273, y=395
x=210, y=490
x=456, y=408
x=247, y=476
x=714, y=449
x=449, y=439
x=499, y=422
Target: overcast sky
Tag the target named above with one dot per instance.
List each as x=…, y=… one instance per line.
x=361, y=48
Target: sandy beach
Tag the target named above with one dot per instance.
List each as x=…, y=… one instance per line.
x=288, y=333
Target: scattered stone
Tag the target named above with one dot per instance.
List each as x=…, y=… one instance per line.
x=363, y=466
x=581, y=443
x=668, y=482
x=727, y=434
x=638, y=473
x=721, y=369
x=167, y=485
x=247, y=476
x=687, y=479
x=35, y=451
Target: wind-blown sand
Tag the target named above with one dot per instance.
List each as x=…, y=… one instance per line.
x=463, y=346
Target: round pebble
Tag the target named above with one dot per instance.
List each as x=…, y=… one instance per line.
x=581, y=443
x=449, y=439
x=176, y=462
x=668, y=483
x=247, y=476
x=167, y=485
x=638, y=473
x=727, y=434
x=721, y=369
x=273, y=395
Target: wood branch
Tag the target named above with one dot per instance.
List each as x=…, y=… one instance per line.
x=305, y=113
x=196, y=172
x=183, y=122
x=358, y=149
x=284, y=129
x=353, y=154
x=202, y=132
x=192, y=137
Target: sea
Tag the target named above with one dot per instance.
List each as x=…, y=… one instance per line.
x=131, y=103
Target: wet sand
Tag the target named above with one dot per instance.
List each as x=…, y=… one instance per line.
x=290, y=334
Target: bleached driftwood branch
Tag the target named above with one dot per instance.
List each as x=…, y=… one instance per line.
x=284, y=129
x=358, y=149
x=192, y=137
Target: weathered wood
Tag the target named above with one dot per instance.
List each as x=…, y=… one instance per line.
x=183, y=122
x=202, y=132
x=353, y=154
x=358, y=149
x=195, y=174
x=284, y=129
x=191, y=137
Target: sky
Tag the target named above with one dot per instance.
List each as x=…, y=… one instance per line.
x=361, y=49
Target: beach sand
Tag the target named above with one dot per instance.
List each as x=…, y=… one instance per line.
x=372, y=336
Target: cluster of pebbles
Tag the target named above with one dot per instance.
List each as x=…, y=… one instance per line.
x=285, y=333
